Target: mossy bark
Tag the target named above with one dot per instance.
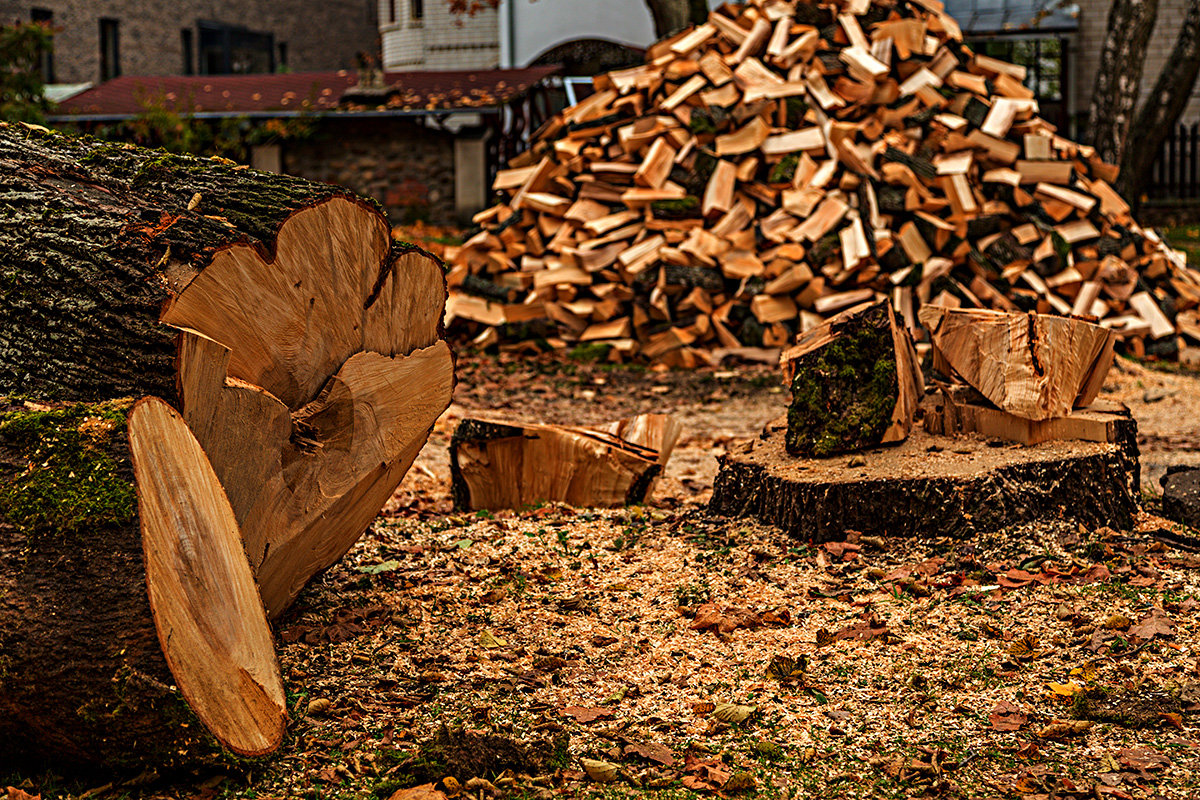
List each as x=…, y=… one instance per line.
x=844, y=393
x=82, y=676
x=96, y=236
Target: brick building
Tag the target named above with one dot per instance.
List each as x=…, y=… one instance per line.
x=95, y=41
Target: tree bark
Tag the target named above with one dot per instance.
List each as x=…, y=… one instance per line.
x=1118, y=80
x=672, y=16
x=1162, y=108
x=83, y=678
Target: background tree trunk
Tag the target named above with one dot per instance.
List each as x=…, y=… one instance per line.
x=1162, y=108
x=1115, y=94
x=672, y=16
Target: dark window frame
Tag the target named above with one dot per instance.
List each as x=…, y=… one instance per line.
x=187, y=41
x=45, y=17
x=416, y=10
x=110, y=48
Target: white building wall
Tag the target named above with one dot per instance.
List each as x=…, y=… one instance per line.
x=539, y=25
x=440, y=40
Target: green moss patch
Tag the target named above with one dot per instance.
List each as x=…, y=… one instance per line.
x=844, y=393
x=68, y=477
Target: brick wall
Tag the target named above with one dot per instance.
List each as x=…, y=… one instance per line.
x=1093, y=24
x=319, y=34
x=405, y=166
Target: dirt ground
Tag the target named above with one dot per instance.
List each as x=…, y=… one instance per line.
x=658, y=651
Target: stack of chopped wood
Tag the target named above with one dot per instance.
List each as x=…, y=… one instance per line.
x=788, y=160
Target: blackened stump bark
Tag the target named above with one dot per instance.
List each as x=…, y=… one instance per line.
x=909, y=491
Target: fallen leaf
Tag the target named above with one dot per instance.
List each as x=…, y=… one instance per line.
x=423, y=792
x=733, y=713
x=600, y=771
x=784, y=667
x=1007, y=717
x=378, y=569
x=660, y=754
x=724, y=620
x=1117, y=622
x=1153, y=625
x=704, y=775
x=1061, y=728
x=1024, y=648
x=870, y=627
x=20, y=794
x=740, y=782
x=1143, y=758
x=582, y=714
x=490, y=641
x=1068, y=689
x=494, y=596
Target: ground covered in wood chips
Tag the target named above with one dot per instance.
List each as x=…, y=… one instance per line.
x=660, y=652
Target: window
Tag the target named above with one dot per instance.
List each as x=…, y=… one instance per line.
x=188, y=42
x=232, y=49
x=417, y=8
x=45, y=17
x=282, y=65
x=391, y=10
x=110, y=49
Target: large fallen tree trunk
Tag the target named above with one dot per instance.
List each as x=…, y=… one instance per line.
x=300, y=345
x=126, y=602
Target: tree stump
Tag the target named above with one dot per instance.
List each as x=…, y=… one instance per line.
x=282, y=328
x=915, y=489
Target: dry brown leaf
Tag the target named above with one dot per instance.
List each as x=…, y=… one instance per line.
x=1143, y=758
x=1007, y=717
x=1062, y=728
x=657, y=753
x=600, y=771
x=1153, y=625
x=733, y=713
x=20, y=794
x=583, y=714
x=422, y=792
x=725, y=620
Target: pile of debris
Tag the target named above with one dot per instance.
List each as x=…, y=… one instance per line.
x=788, y=160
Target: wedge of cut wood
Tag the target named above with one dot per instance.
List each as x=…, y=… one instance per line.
x=206, y=608
x=1032, y=365
x=500, y=464
x=954, y=413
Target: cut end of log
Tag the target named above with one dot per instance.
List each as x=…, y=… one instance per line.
x=498, y=464
x=206, y=607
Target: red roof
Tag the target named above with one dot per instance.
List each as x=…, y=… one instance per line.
x=304, y=91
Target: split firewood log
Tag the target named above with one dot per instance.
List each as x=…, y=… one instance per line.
x=855, y=383
x=1032, y=365
x=957, y=410
x=299, y=344
x=500, y=464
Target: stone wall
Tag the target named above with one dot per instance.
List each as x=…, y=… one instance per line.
x=405, y=166
x=438, y=39
x=317, y=34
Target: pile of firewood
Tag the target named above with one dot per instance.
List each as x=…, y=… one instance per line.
x=788, y=160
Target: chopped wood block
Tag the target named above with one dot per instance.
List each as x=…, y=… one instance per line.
x=614, y=329
x=1031, y=365
x=953, y=413
x=1148, y=309
x=689, y=88
x=497, y=464
x=1083, y=202
x=1002, y=115
x=827, y=215
x=858, y=394
x=767, y=308
x=750, y=137
x=832, y=303
x=693, y=39
x=805, y=139
x=1038, y=147
x=718, y=194
x=1059, y=172
x=862, y=64
x=1080, y=230
x=656, y=166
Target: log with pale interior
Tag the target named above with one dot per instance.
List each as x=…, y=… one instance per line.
x=299, y=344
x=502, y=464
x=1032, y=365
